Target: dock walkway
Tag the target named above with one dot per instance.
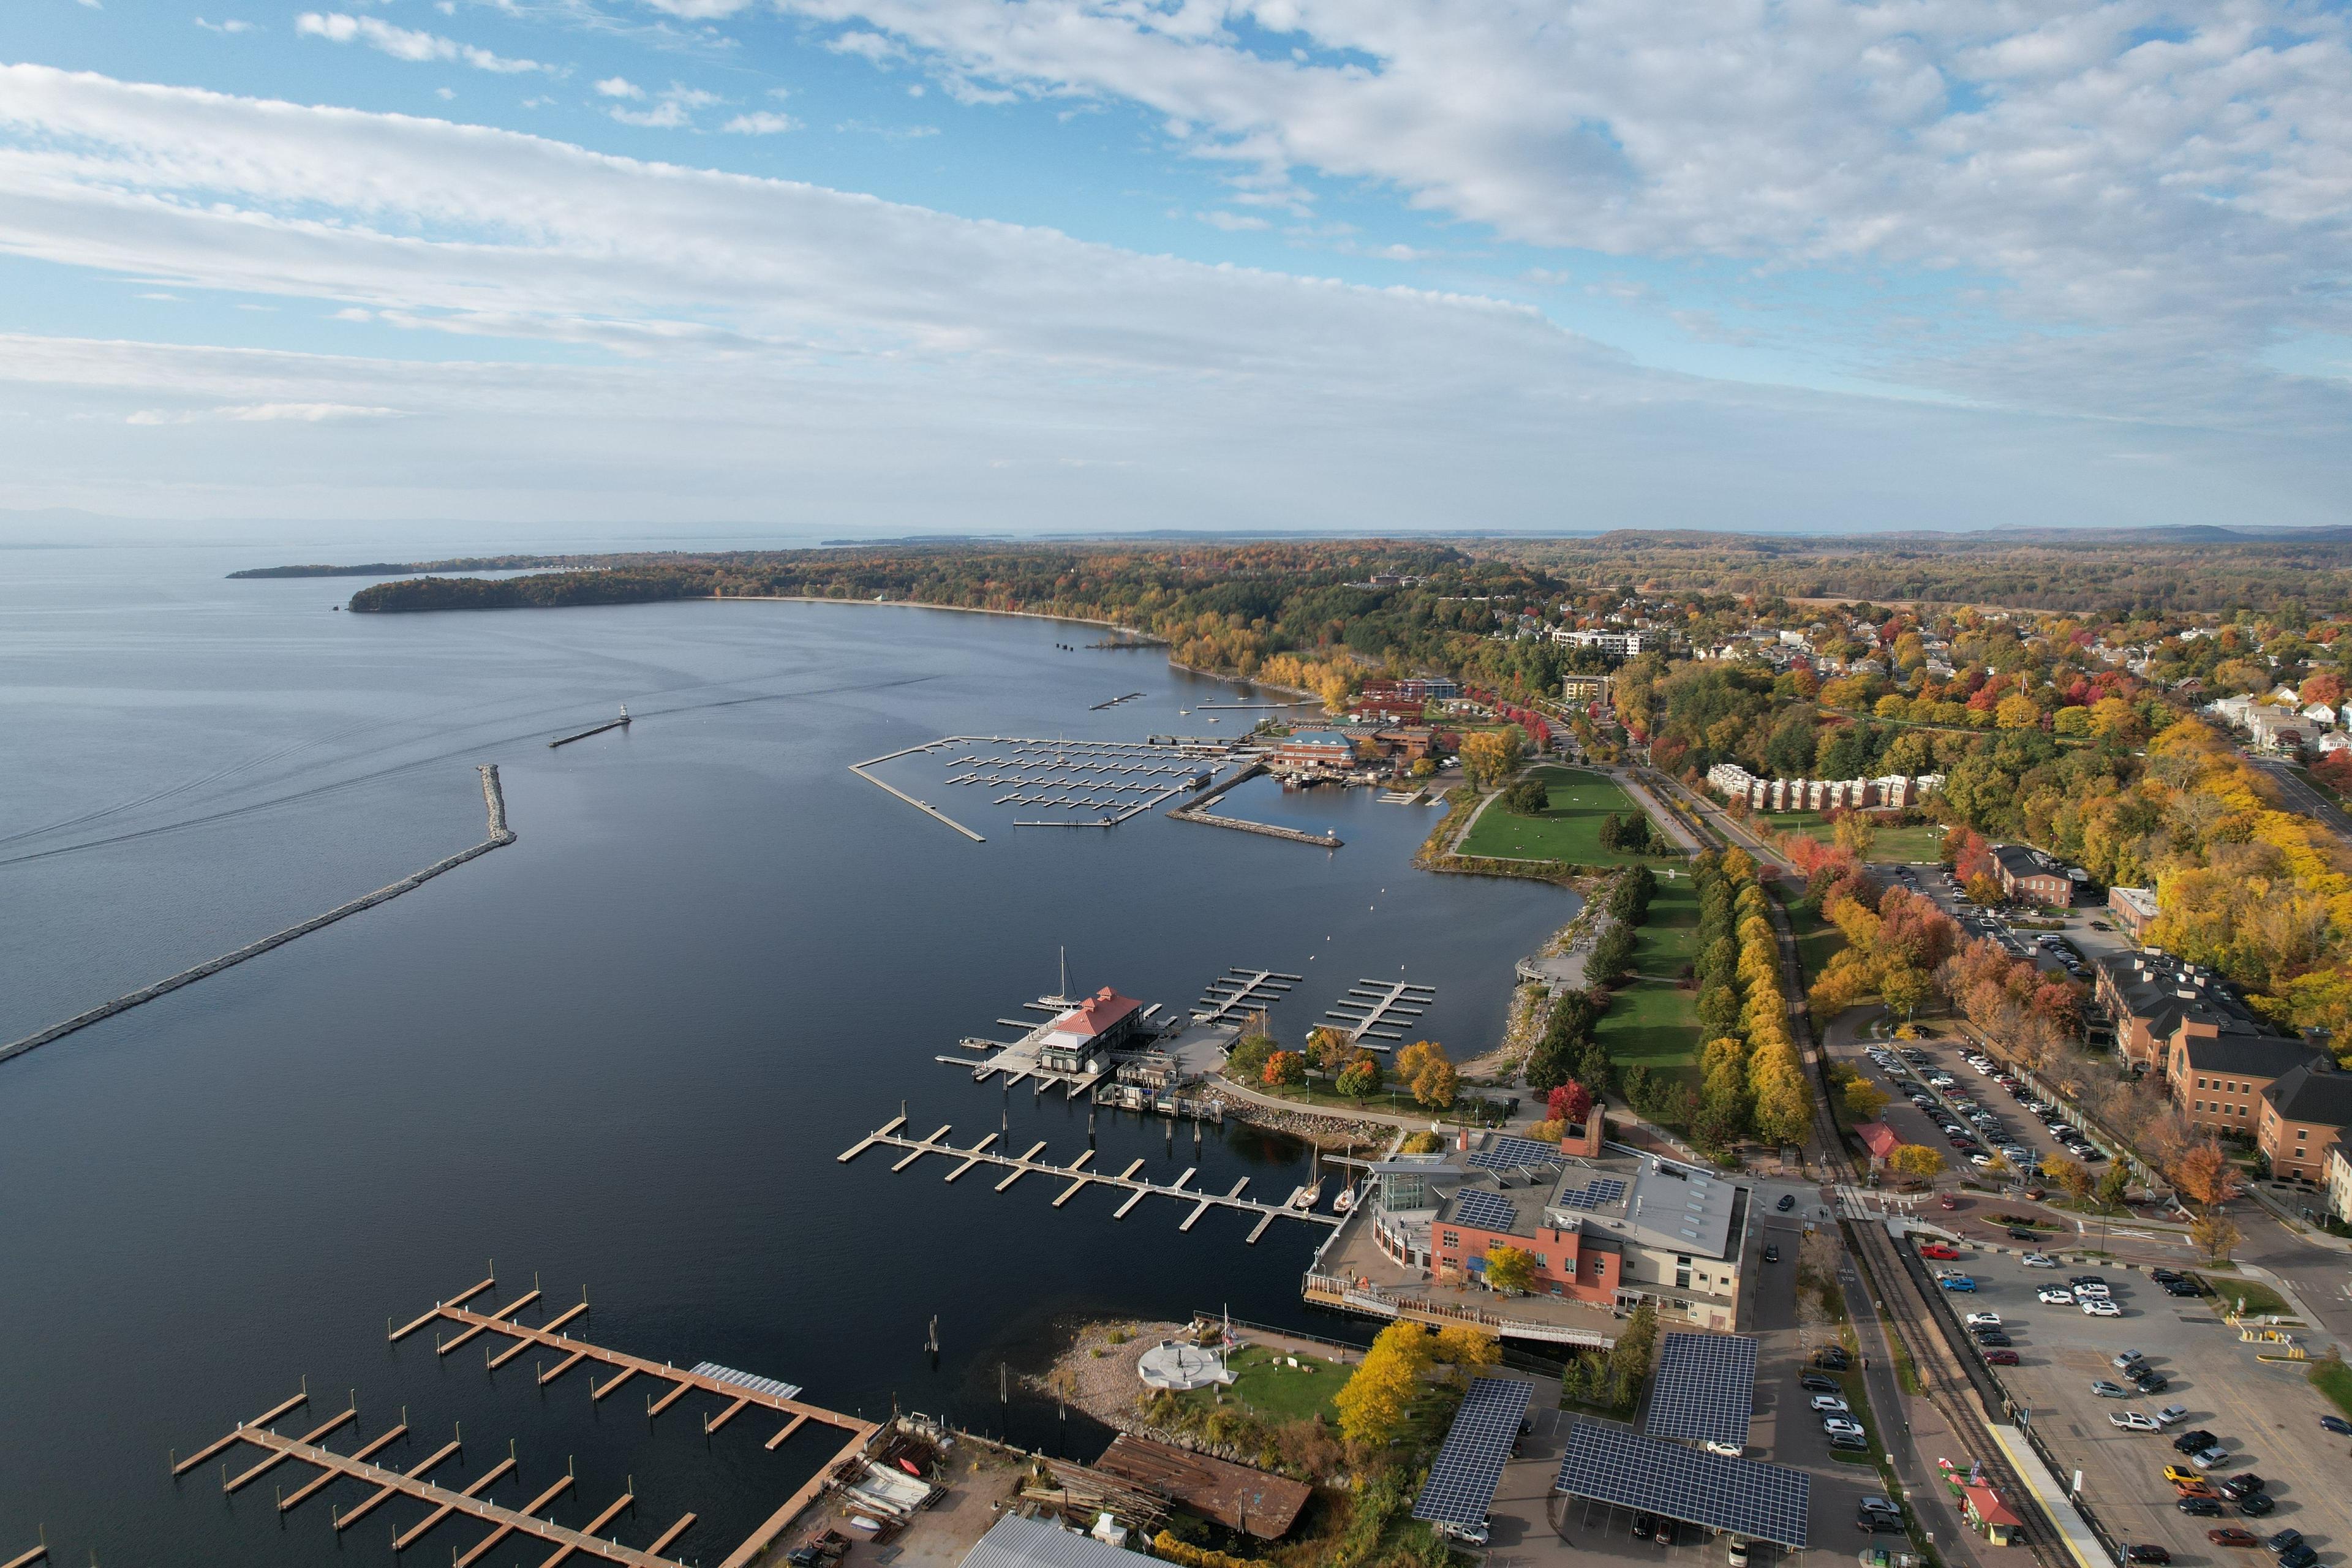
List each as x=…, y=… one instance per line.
x=1375, y=1013
x=1078, y=1177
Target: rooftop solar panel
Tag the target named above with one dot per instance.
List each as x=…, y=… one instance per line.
x=1705, y=1388
x=1462, y=1481
x=1600, y=1190
x=1510, y=1153
x=1613, y=1465
x=1489, y=1211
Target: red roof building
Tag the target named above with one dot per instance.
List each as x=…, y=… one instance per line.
x=1880, y=1139
x=1983, y=1508
x=1076, y=1041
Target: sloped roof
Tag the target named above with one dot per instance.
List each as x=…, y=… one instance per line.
x=1095, y=1014
x=1014, y=1542
x=2310, y=1093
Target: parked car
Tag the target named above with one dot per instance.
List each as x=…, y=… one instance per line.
x=1982, y=1319
x=2180, y=1477
x=2299, y=1555
x=1938, y=1251
x=1644, y=1524
x=1960, y=1283
x=2146, y=1554
x=2202, y=1507
x=1993, y=1339
x=2105, y=1390
x=2132, y=1421
x=1829, y=1404
x=1838, y=1425
x=1815, y=1383
x=2231, y=1535
x=2338, y=1425
x=2245, y=1486
x=2001, y=1358
x=2099, y=1307
x=1849, y=1442
x=2124, y=1361
x=2189, y=1442
x=2257, y=1504
x=2284, y=1540
x=2206, y=1459
x=2054, y=1296
x=2147, y=1380
x=1831, y=1356
x=2172, y=1412
x=1875, y=1522
x=2038, y=1260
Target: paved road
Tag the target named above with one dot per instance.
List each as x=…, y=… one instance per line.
x=2301, y=797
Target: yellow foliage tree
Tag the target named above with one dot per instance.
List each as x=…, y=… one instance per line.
x=1373, y=1403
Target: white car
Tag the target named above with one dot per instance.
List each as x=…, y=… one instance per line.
x=2132, y=1421
x=2040, y=1260
x=1979, y=1159
x=2055, y=1296
x=2099, y=1307
x=1982, y=1319
x=1839, y=1426
x=2095, y=1292
x=1831, y=1405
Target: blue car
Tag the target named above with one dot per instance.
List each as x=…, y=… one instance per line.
x=1959, y=1282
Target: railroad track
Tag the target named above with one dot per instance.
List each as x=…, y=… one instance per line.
x=1899, y=1289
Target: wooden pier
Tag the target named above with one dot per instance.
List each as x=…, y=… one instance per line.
x=737, y=1391
x=1239, y=991
x=1079, y=1176
x=1376, y=1012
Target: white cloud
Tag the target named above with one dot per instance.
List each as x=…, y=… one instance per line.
x=1233, y=223
x=675, y=107
x=762, y=122
x=729, y=339
x=2172, y=180
x=445, y=93
x=620, y=87
x=405, y=43
x=231, y=26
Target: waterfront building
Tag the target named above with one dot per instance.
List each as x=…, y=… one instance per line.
x=1082, y=1039
x=1314, y=750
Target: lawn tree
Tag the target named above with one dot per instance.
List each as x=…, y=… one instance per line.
x=1862, y=1099
x=2204, y=1174
x=1286, y=1070
x=2070, y=1174
x=1378, y=1396
x=1509, y=1269
x=1248, y=1057
x=1489, y=756
x=2112, y=1183
x=1330, y=1049
x=2215, y=1234
x=1361, y=1079
x=1436, y=1084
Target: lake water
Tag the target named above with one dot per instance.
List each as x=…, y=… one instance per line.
x=622, y=1053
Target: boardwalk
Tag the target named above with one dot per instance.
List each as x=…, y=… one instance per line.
x=1239, y=991
x=1374, y=1011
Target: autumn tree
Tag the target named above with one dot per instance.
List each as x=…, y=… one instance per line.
x=1571, y=1103
x=1374, y=1401
x=1361, y=1079
x=2215, y=1234
x=1436, y=1084
x=2070, y=1174
x=1916, y=1161
x=2204, y=1174
x=1510, y=1270
x=1286, y=1070
x=1862, y=1099
x=1328, y=1048
x=1466, y=1348
x=2113, y=1182
x=1489, y=755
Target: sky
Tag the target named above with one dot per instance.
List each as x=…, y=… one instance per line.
x=876, y=267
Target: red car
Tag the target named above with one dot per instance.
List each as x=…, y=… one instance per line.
x=2001, y=1358
x=2232, y=1536
x=1947, y=1202
x=1938, y=1251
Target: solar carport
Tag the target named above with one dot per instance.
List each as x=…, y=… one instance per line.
x=1624, y=1468
x=1706, y=1389
x=1462, y=1482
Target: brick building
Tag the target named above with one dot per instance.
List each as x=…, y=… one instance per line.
x=2134, y=909
x=2029, y=876
x=2303, y=1110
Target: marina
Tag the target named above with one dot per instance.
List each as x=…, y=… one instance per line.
x=1375, y=1011
x=1116, y=701
x=1079, y=1177
x=1240, y=992
x=1117, y=779
x=738, y=1391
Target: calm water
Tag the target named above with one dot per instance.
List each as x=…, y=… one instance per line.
x=622, y=1053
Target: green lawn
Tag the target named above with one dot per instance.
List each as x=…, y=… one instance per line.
x=1668, y=941
x=1817, y=939
x=2333, y=1379
x=1569, y=831
x=1920, y=845
x=2259, y=1298
x=1277, y=1392
x=1651, y=1023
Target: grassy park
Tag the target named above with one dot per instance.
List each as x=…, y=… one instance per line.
x=1921, y=846
x=1667, y=942
x=1569, y=828
x=1655, y=1023
x=1275, y=1391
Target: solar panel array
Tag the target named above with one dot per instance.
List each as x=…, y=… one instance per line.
x=1487, y=1211
x=1706, y=1389
x=1461, y=1485
x=1511, y=1154
x=1601, y=1190
x=1614, y=1465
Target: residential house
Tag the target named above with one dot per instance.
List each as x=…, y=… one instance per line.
x=2028, y=876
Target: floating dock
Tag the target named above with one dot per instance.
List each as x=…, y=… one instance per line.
x=1078, y=1177
x=1375, y=1011
x=1115, y=702
x=1241, y=991
x=736, y=1391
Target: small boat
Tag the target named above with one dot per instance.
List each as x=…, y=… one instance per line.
x=1307, y=1197
x=1344, y=1201
x=911, y=1469
x=859, y=1521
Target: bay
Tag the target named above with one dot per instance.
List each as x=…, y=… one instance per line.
x=621, y=1053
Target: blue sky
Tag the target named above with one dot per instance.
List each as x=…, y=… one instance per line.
x=873, y=265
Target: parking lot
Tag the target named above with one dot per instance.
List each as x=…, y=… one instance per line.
x=2265, y=1414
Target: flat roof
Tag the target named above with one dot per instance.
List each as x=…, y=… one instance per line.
x=1614, y=1465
